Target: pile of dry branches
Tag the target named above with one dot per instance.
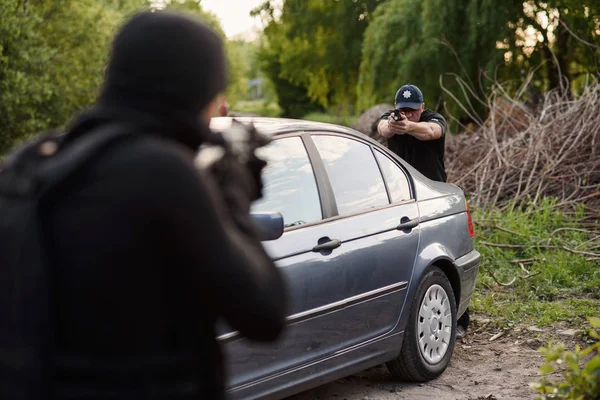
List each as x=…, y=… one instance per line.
x=522, y=153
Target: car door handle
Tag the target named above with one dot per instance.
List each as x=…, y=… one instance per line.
x=330, y=245
x=407, y=224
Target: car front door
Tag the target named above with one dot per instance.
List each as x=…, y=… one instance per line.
x=291, y=187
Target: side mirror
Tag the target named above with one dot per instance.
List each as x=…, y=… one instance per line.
x=269, y=224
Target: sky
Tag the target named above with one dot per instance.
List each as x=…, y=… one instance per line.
x=234, y=14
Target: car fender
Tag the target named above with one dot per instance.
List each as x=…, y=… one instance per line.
x=432, y=254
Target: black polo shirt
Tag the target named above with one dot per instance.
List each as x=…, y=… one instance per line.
x=427, y=156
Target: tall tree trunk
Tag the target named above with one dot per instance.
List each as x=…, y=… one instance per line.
x=556, y=63
x=562, y=41
x=552, y=71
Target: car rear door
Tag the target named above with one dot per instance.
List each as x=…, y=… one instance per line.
x=377, y=226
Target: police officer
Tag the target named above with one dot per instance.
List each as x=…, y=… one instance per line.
x=415, y=133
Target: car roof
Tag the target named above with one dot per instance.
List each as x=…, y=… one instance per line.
x=278, y=126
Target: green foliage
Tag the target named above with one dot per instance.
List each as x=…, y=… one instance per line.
x=263, y=108
x=467, y=45
x=237, y=64
x=53, y=54
x=568, y=32
x=561, y=285
x=292, y=98
x=344, y=120
x=52, y=57
x=432, y=39
x=318, y=55
x=312, y=52
x=581, y=370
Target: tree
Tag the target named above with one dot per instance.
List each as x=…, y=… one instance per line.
x=453, y=39
x=293, y=99
x=564, y=35
x=53, y=54
x=470, y=44
x=236, y=63
x=52, y=57
x=317, y=44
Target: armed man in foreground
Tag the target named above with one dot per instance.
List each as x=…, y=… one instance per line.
x=145, y=251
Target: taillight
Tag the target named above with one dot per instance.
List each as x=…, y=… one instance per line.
x=470, y=222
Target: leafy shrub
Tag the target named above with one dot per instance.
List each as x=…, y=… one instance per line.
x=581, y=370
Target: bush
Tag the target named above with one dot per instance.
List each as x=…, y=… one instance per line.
x=581, y=382
x=52, y=58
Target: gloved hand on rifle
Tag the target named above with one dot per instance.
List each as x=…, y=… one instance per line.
x=234, y=164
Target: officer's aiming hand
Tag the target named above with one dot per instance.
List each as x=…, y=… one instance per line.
x=399, y=127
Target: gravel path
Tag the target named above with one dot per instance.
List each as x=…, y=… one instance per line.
x=480, y=369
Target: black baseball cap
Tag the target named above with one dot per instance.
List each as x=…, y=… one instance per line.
x=409, y=96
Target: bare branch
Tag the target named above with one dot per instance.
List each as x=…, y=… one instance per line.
x=569, y=229
x=500, y=229
x=525, y=151
x=527, y=260
x=513, y=280
x=538, y=246
x=577, y=37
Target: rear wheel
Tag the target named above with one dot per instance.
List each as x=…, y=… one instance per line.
x=430, y=332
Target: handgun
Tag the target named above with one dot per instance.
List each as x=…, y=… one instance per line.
x=396, y=114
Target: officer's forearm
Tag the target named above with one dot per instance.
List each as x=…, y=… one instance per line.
x=384, y=129
x=425, y=130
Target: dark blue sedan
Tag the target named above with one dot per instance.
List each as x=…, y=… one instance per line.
x=379, y=262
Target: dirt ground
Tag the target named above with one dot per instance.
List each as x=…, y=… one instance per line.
x=481, y=369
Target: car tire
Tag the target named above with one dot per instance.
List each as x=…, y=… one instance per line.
x=430, y=332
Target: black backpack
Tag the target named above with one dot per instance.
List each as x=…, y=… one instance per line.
x=36, y=171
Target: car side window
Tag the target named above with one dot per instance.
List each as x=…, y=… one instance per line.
x=356, y=180
x=396, y=179
x=289, y=183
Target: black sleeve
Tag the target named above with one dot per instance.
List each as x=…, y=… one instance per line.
x=432, y=116
x=228, y=267
x=386, y=114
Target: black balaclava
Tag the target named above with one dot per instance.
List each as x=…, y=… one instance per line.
x=164, y=69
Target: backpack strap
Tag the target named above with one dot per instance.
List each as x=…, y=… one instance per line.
x=63, y=162
x=39, y=166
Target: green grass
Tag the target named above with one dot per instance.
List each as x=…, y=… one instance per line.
x=331, y=118
x=507, y=310
x=258, y=107
x=266, y=109
x=562, y=285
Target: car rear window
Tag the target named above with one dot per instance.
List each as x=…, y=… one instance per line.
x=353, y=173
x=395, y=178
